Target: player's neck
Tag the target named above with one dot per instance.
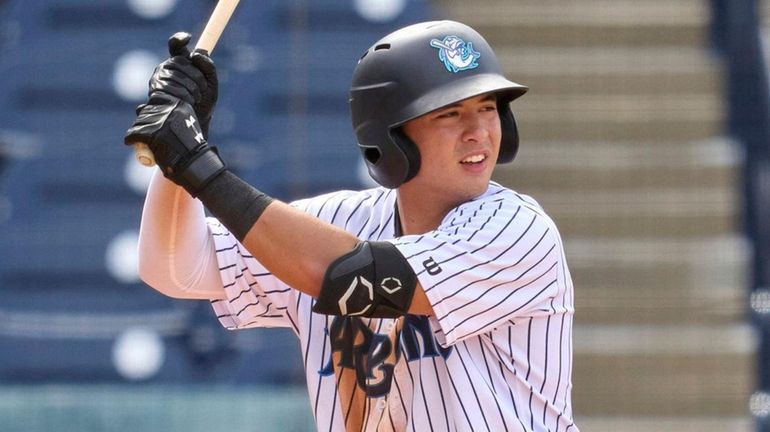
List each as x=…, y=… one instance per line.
x=419, y=215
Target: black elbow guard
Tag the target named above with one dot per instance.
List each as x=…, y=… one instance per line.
x=373, y=280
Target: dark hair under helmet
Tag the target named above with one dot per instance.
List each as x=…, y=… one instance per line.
x=416, y=70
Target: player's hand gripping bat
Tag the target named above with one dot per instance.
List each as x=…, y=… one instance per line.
x=208, y=40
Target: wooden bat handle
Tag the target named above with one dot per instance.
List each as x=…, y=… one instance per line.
x=143, y=154
x=208, y=40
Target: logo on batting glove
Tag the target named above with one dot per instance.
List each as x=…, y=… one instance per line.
x=190, y=122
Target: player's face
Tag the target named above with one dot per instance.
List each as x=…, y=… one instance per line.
x=458, y=148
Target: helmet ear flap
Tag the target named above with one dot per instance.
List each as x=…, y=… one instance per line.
x=410, y=151
x=394, y=164
x=509, y=143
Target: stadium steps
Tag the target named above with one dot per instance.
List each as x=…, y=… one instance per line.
x=622, y=144
x=594, y=70
x=619, y=117
x=637, y=188
x=692, y=371
x=585, y=23
x=678, y=423
x=632, y=281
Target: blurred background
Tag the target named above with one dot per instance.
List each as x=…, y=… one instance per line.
x=645, y=135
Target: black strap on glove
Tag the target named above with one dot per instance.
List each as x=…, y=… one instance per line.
x=189, y=77
x=170, y=128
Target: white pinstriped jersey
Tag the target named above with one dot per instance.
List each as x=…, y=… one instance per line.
x=497, y=355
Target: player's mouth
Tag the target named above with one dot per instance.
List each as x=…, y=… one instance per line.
x=475, y=163
x=474, y=159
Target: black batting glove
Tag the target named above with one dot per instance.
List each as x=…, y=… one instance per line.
x=191, y=77
x=170, y=128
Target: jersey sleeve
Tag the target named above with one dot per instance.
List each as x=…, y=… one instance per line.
x=253, y=296
x=486, y=265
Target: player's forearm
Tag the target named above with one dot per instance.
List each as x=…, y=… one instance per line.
x=297, y=247
x=175, y=249
x=294, y=246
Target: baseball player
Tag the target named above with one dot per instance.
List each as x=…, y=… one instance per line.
x=438, y=301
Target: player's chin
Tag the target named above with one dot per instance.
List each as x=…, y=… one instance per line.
x=473, y=187
x=477, y=175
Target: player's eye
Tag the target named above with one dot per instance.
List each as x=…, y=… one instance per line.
x=447, y=114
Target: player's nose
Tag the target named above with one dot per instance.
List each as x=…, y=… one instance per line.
x=475, y=127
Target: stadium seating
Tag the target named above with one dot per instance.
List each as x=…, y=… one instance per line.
x=282, y=122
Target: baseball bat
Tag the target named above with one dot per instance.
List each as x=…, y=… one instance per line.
x=208, y=40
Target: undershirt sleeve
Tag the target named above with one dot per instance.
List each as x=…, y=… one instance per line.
x=176, y=251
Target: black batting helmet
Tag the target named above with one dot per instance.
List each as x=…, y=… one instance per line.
x=416, y=70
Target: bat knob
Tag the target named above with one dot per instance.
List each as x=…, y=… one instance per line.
x=144, y=155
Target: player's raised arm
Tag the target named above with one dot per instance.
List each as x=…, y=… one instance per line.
x=304, y=252
x=175, y=248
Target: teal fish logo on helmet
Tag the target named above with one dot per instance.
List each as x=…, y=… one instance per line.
x=456, y=54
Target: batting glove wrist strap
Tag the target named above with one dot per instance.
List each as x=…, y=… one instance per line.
x=203, y=168
x=373, y=280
